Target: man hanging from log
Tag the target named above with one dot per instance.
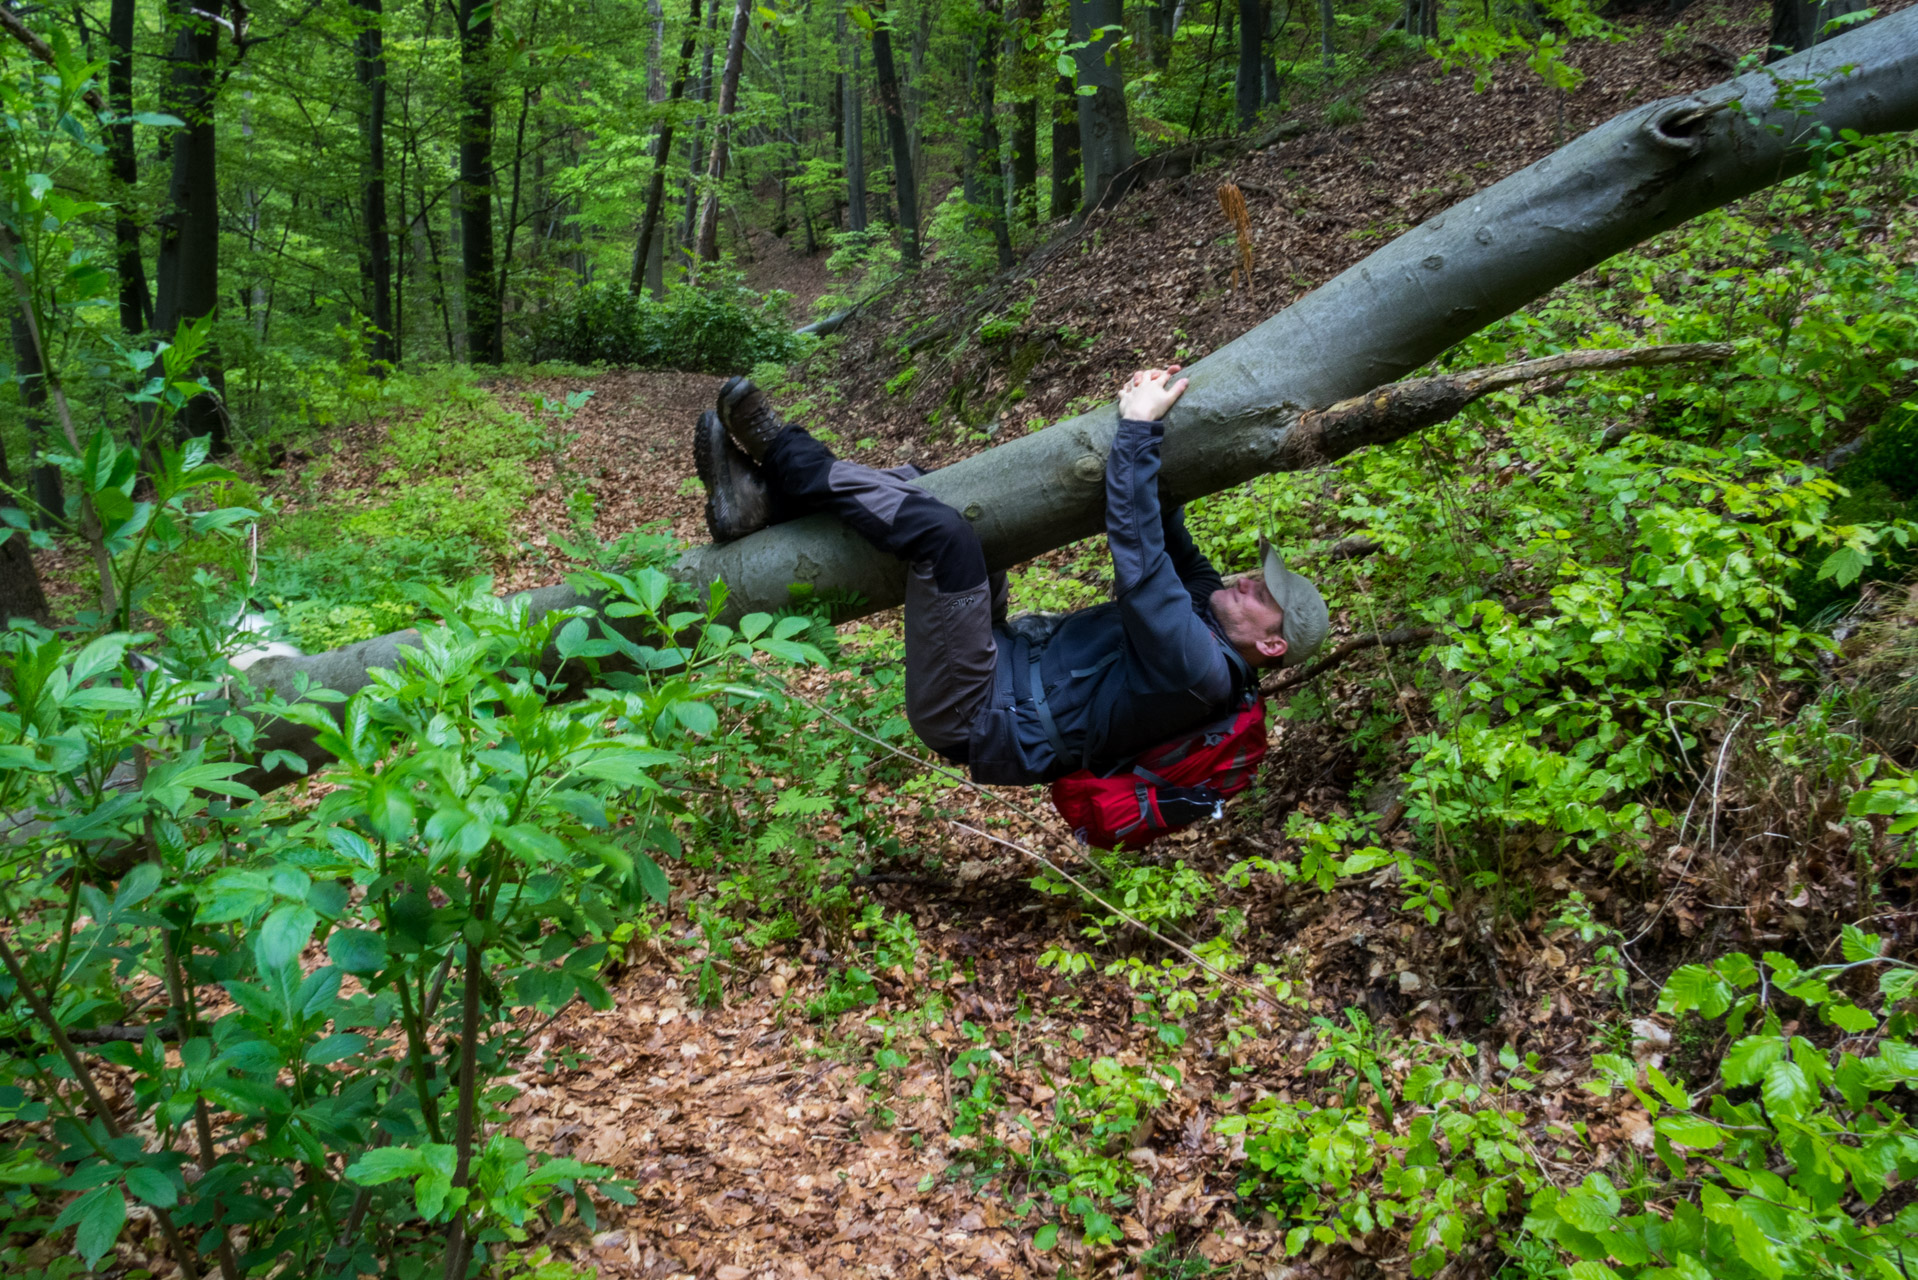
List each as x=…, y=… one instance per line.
x=1015, y=702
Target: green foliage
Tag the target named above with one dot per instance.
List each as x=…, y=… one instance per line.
x=1731, y=1207
x=719, y=326
x=1334, y=1172
x=483, y=835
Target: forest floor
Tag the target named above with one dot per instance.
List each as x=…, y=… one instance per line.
x=764, y=1142
x=759, y=1138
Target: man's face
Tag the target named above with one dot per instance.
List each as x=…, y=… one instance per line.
x=1250, y=618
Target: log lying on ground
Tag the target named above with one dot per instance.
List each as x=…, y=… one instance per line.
x=1251, y=407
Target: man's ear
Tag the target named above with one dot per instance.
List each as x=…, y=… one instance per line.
x=1271, y=648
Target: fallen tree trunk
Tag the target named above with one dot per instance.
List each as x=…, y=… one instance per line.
x=1250, y=408
x=1641, y=173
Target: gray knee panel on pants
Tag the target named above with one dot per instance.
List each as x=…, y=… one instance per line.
x=950, y=657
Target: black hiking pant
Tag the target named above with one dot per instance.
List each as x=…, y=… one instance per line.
x=951, y=601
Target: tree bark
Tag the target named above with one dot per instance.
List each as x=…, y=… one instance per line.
x=853, y=121
x=983, y=168
x=905, y=183
x=1065, y=149
x=21, y=595
x=1327, y=54
x=699, y=124
x=481, y=283
x=377, y=262
x=1249, y=408
x=646, y=248
x=1799, y=24
x=49, y=485
x=189, y=260
x=136, y=302
x=1250, y=88
x=708, y=249
x=1105, y=131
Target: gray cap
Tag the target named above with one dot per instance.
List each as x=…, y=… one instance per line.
x=1306, y=620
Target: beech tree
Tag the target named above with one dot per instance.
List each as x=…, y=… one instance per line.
x=1105, y=130
x=1279, y=397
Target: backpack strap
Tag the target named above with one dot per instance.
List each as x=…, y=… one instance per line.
x=1046, y=722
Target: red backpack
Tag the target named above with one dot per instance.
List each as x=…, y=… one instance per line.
x=1121, y=809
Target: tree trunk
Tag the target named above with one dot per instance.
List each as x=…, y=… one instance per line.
x=1800, y=24
x=905, y=184
x=708, y=250
x=1327, y=54
x=1065, y=149
x=376, y=264
x=1268, y=62
x=49, y=485
x=1253, y=405
x=853, y=121
x=136, y=303
x=647, y=256
x=481, y=282
x=189, y=260
x=1105, y=132
x=984, y=172
x=1024, y=204
x=699, y=124
x=1250, y=88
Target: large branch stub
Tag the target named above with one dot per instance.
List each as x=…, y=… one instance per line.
x=1277, y=398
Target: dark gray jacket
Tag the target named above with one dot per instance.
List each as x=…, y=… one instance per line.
x=1118, y=677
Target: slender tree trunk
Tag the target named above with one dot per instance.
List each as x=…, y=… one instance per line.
x=853, y=113
x=699, y=122
x=1250, y=88
x=1160, y=17
x=1105, y=132
x=905, y=183
x=189, y=259
x=708, y=247
x=21, y=595
x=1268, y=64
x=377, y=262
x=480, y=278
x=49, y=485
x=136, y=302
x=1065, y=149
x=1022, y=172
x=983, y=167
x=647, y=250
x=1327, y=26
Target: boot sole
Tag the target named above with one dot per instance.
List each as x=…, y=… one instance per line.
x=709, y=459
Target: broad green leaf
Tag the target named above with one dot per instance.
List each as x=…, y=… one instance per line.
x=356, y=950
x=98, y=1216
x=283, y=935
x=1694, y=986
x=1748, y=1058
x=1045, y=1237
x=652, y=879
x=1786, y=1090
x=153, y=1187
x=1690, y=1131
x=335, y=1048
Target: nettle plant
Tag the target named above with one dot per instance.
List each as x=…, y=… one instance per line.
x=290, y=1033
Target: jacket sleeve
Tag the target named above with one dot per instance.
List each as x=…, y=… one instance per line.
x=1200, y=578
x=1171, y=646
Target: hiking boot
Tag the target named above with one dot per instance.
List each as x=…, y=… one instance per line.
x=738, y=500
x=749, y=417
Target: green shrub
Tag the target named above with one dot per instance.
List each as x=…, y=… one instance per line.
x=719, y=327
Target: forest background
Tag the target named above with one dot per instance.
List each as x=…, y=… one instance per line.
x=1568, y=931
